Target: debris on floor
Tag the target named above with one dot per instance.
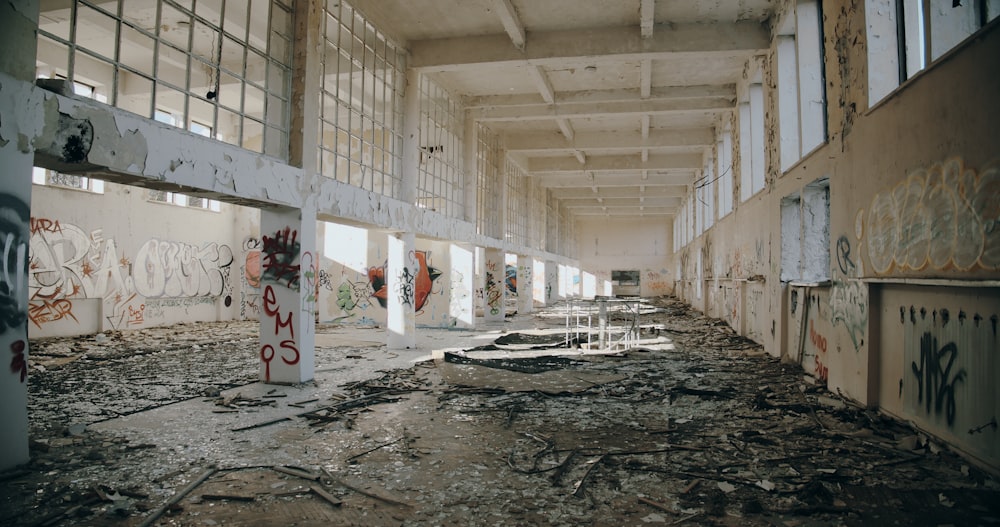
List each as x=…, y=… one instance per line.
x=693, y=425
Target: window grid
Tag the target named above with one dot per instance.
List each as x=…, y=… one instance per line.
x=517, y=203
x=361, y=116
x=229, y=77
x=439, y=174
x=489, y=182
x=724, y=160
x=552, y=210
x=536, y=195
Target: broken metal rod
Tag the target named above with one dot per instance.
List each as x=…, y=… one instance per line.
x=155, y=515
x=370, y=450
x=258, y=425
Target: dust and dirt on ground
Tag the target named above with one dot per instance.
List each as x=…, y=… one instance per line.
x=694, y=427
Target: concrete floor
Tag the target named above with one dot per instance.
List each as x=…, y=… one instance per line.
x=694, y=427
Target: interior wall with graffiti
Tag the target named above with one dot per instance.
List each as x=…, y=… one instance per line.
x=354, y=288
x=115, y=261
x=939, y=361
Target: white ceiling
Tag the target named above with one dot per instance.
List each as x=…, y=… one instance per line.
x=612, y=104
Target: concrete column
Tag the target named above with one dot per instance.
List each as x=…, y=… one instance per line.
x=494, y=291
x=538, y=282
x=16, y=158
x=288, y=295
x=552, y=283
x=307, y=47
x=401, y=271
x=463, y=278
x=525, y=284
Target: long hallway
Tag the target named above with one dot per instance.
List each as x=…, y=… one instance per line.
x=693, y=425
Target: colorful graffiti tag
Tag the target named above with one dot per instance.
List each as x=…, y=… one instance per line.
x=421, y=281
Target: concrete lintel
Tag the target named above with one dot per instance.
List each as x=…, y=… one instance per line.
x=615, y=95
x=451, y=54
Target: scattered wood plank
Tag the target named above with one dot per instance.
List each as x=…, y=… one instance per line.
x=227, y=497
x=330, y=498
x=656, y=505
x=297, y=473
x=155, y=515
x=579, y=486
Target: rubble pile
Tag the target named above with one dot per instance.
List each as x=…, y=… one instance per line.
x=698, y=427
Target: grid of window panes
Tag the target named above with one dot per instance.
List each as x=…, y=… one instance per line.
x=439, y=182
x=222, y=63
x=361, y=108
x=489, y=182
x=537, y=202
x=567, y=234
x=517, y=203
x=552, y=224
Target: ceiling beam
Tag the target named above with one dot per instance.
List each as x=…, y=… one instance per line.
x=616, y=43
x=511, y=22
x=645, y=78
x=542, y=82
x=646, y=18
x=543, y=165
x=566, y=194
x=585, y=110
x=549, y=142
x=566, y=129
x=602, y=181
x=618, y=95
x=635, y=214
x=622, y=202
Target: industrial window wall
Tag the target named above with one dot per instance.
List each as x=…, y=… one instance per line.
x=439, y=184
x=223, y=64
x=538, y=205
x=517, y=203
x=361, y=116
x=489, y=185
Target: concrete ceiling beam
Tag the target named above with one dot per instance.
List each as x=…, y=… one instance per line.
x=584, y=110
x=534, y=143
x=545, y=165
x=605, y=180
x=593, y=96
x=616, y=43
x=511, y=22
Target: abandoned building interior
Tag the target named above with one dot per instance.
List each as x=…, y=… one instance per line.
x=296, y=184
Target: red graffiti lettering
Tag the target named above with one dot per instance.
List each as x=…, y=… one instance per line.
x=290, y=346
x=136, y=315
x=271, y=310
x=44, y=225
x=816, y=338
x=266, y=358
x=40, y=312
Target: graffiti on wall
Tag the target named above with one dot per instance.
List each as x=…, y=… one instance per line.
x=510, y=279
x=279, y=254
x=818, y=341
x=493, y=293
x=418, y=284
x=284, y=331
x=848, y=294
x=176, y=269
x=250, y=275
x=14, y=218
x=937, y=376
x=459, y=294
x=944, y=217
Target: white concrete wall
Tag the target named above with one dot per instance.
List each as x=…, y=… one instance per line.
x=115, y=261
x=608, y=244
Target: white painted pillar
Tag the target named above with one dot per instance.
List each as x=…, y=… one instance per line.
x=401, y=271
x=494, y=290
x=538, y=281
x=552, y=288
x=16, y=159
x=463, y=279
x=288, y=295
x=525, y=284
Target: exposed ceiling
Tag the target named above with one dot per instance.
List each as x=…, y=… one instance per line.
x=611, y=104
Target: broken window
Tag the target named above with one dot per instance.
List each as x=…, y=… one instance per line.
x=724, y=164
x=440, y=185
x=41, y=176
x=751, y=121
x=517, y=200
x=805, y=234
x=489, y=184
x=228, y=68
x=905, y=36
